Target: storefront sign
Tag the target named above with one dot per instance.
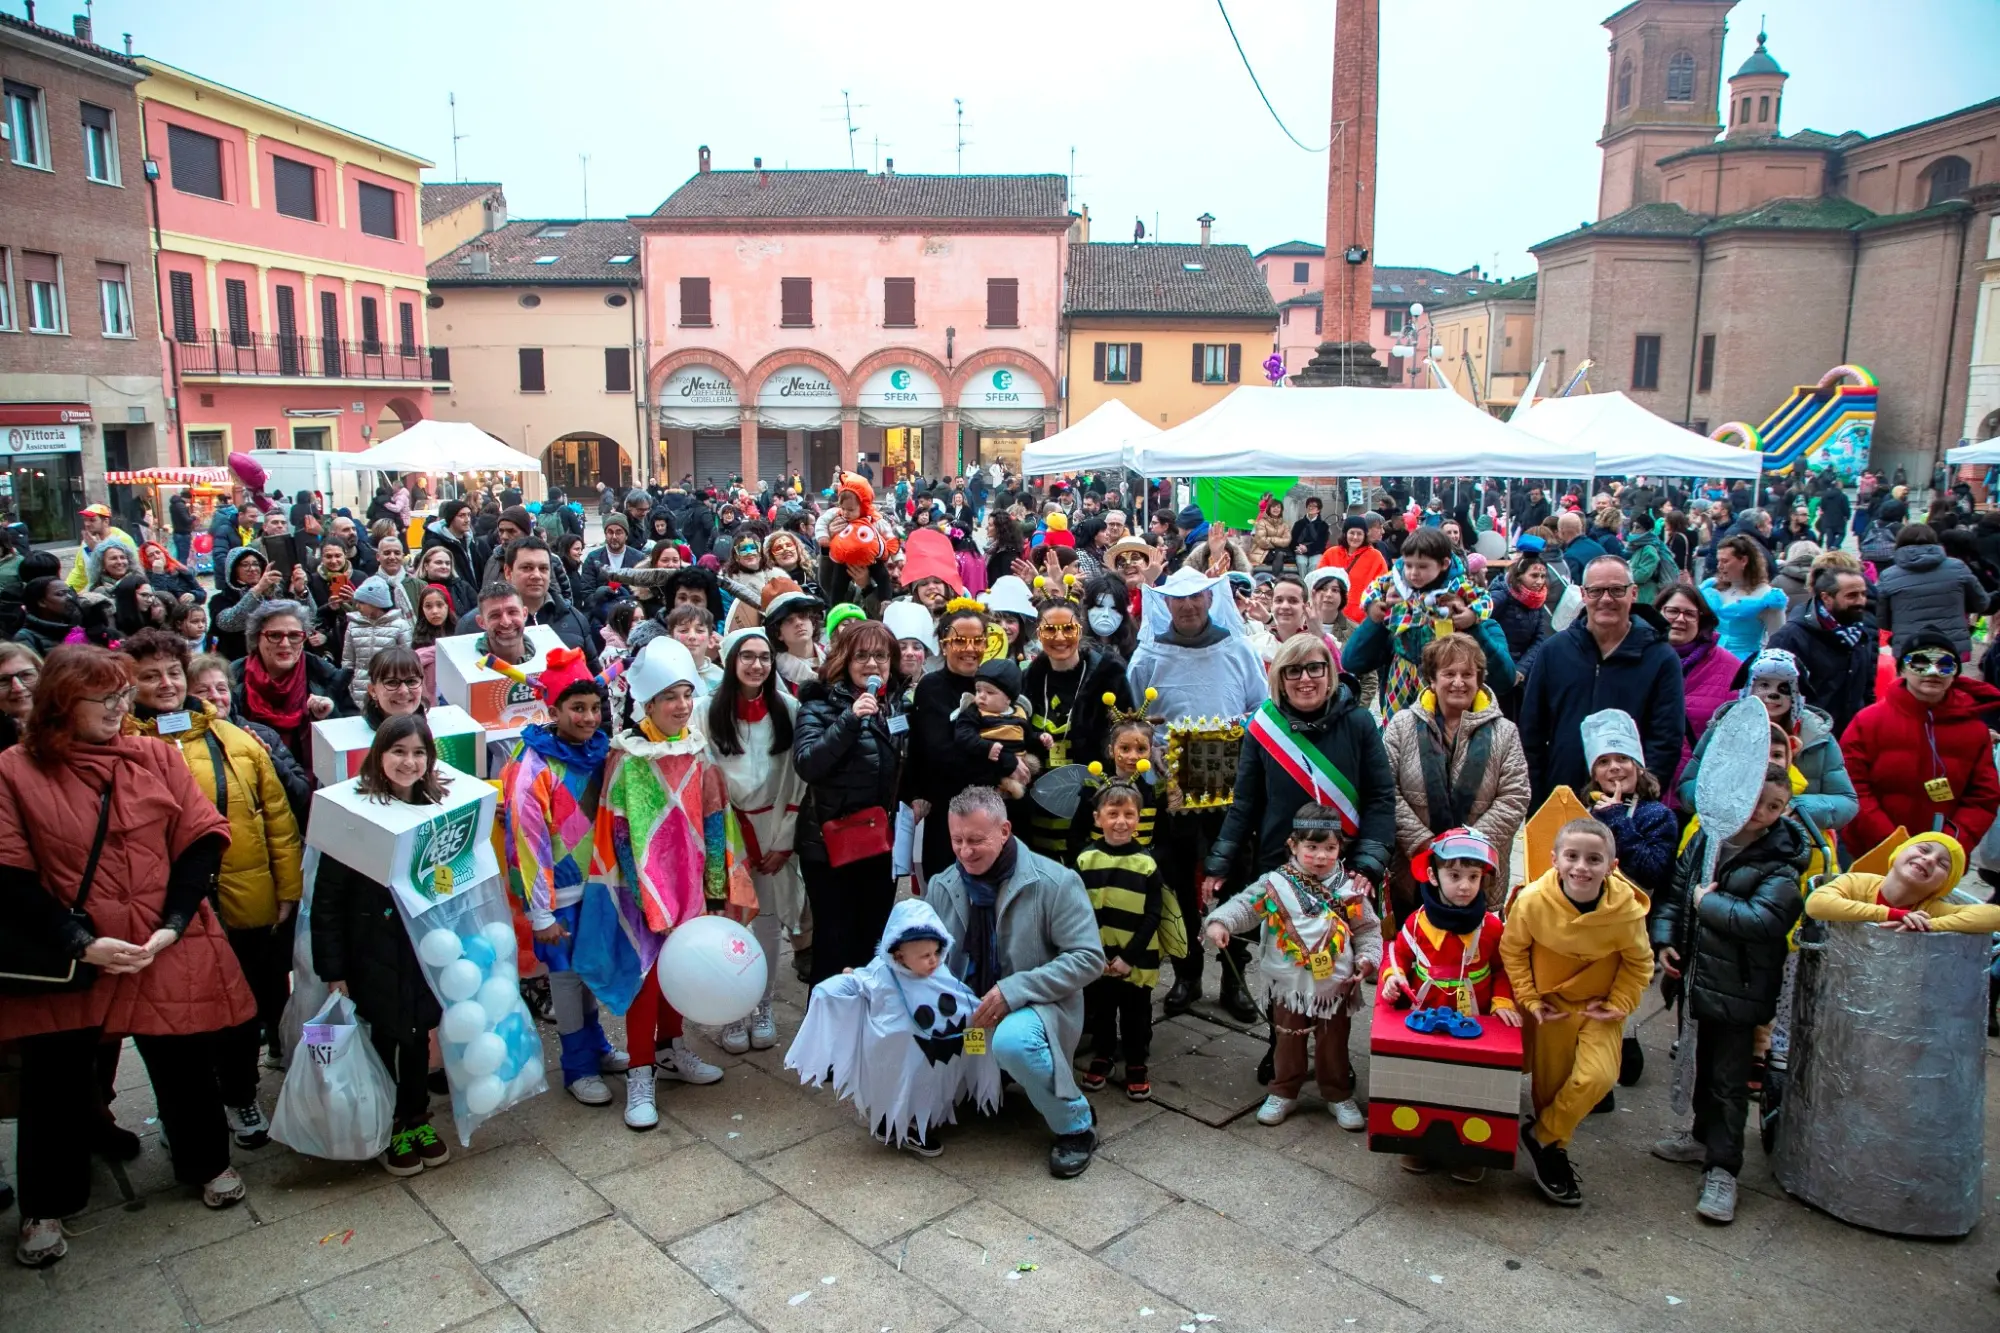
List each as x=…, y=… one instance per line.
x=697, y=386
x=45, y=414
x=798, y=386
x=900, y=386
x=41, y=439
x=1003, y=387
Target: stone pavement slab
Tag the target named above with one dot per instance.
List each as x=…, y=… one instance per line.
x=606, y=1278
x=751, y=1113
x=507, y=1199
x=141, y=1299
x=419, y=1292
x=869, y=1190
x=682, y=1192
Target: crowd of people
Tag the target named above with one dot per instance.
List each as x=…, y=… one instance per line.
x=866, y=696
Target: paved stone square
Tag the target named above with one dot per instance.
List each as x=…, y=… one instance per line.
x=759, y=1205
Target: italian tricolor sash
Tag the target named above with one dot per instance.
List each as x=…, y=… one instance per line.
x=1307, y=766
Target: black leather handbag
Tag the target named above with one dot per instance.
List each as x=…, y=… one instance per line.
x=37, y=965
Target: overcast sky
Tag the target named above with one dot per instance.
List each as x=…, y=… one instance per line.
x=1490, y=108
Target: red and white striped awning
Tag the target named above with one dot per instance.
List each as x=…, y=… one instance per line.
x=182, y=476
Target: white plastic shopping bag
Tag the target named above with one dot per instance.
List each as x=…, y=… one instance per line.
x=338, y=1101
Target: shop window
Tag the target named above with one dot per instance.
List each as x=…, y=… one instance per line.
x=1646, y=361
x=297, y=188
x=532, y=380
x=1302, y=271
x=378, y=210
x=899, y=303
x=100, y=144
x=43, y=276
x=694, y=303
x=195, y=161
x=27, y=126
x=796, y=298
x=1116, y=363
x=617, y=370
x=1003, y=303
x=114, y=299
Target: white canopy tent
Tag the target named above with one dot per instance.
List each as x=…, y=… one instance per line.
x=1102, y=439
x=1984, y=452
x=1325, y=432
x=1629, y=441
x=445, y=446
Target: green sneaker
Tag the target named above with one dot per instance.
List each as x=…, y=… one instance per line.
x=431, y=1150
x=403, y=1158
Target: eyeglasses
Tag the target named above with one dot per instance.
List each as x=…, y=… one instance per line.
x=1608, y=592
x=1060, y=631
x=400, y=684
x=1675, y=611
x=282, y=636
x=114, y=703
x=964, y=641
x=871, y=655
x=1305, y=671
x=1932, y=663
x=20, y=680
x=753, y=659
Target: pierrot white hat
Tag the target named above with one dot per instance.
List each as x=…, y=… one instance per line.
x=662, y=664
x=909, y=620
x=1010, y=594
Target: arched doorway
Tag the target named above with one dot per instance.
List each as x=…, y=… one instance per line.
x=578, y=461
x=398, y=415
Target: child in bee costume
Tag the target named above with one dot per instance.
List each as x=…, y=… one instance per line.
x=891, y=1035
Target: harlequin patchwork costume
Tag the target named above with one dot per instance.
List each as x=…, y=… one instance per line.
x=1412, y=623
x=548, y=810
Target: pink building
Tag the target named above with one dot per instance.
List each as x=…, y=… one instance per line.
x=291, y=273
x=1296, y=273
x=797, y=320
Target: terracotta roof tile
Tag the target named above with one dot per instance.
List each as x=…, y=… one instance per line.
x=581, y=254
x=450, y=196
x=862, y=194
x=1118, y=278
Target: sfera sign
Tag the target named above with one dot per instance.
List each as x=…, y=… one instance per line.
x=1003, y=387
x=900, y=386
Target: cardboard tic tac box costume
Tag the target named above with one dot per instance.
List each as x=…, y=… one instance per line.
x=341, y=743
x=493, y=699
x=426, y=854
x=1453, y=1100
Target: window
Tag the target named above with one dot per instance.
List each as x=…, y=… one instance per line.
x=441, y=365
x=236, y=296
x=207, y=447
x=1302, y=272
x=1646, y=361
x=1395, y=321
x=617, y=370
x=531, y=371
x=312, y=437
x=1746, y=111
x=1003, y=303
x=114, y=299
x=288, y=331
x=27, y=127
x=1680, y=78
x=796, y=300
x=329, y=334
x=1949, y=177
x=267, y=438
x=378, y=211
x=195, y=161
x=548, y=259
x=100, y=145
x=1763, y=108
x=621, y=259
x=297, y=188
x=554, y=230
x=1705, y=377
x=1116, y=363
x=6, y=290
x=527, y=300
x=1218, y=363
x=43, y=276
x=694, y=303
x=406, y=329
x=371, y=326
x=1625, y=83
x=180, y=296
x=899, y=303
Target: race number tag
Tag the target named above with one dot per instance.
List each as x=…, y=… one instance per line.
x=975, y=1041
x=1322, y=964
x=899, y=723
x=172, y=724
x=1938, y=789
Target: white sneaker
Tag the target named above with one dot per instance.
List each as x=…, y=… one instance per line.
x=735, y=1038
x=613, y=1062
x=640, y=1113
x=679, y=1061
x=41, y=1242
x=228, y=1189
x=591, y=1091
x=1275, y=1109
x=763, y=1031
x=1350, y=1115
x=248, y=1124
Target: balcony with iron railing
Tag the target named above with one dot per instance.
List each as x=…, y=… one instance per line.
x=220, y=355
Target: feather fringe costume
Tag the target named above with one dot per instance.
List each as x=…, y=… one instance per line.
x=894, y=1041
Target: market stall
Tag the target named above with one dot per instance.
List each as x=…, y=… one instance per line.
x=1104, y=439
x=1629, y=441
x=206, y=488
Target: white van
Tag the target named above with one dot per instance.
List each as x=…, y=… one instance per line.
x=333, y=475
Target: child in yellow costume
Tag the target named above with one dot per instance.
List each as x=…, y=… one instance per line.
x=1912, y=896
x=1576, y=954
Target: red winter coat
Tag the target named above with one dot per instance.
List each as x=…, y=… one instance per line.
x=1889, y=757
x=48, y=818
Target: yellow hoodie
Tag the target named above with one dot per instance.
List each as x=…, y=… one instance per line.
x=1858, y=897
x=1554, y=952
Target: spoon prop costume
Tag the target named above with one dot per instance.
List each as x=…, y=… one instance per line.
x=894, y=1042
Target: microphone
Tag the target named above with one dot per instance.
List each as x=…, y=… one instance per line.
x=874, y=684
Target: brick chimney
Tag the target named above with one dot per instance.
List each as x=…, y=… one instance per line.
x=762, y=179
x=704, y=159
x=482, y=259
x=80, y=24
x=1207, y=221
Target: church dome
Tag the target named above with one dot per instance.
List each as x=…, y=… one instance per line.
x=1760, y=62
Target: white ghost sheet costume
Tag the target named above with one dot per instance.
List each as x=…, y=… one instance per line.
x=894, y=1041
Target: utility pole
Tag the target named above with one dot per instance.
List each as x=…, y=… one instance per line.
x=959, y=104
x=585, y=159
x=452, y=99
x=847, y=109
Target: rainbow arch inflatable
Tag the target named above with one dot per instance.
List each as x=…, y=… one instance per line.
x=1833, y=419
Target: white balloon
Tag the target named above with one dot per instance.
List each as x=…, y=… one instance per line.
x=500, y=934
x=498, y=997
x=439, y=948
x=483, y=1054
x=462, y=1022
x=457, y=980
x=484, y=1095
x=506, y=967
x=712, y=971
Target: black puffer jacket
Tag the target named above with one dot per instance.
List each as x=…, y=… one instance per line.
x=849, y=762
x=358, y=937
x=1739, y=963
x=1260, y=816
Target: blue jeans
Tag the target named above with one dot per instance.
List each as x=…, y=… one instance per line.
x=1021, y=1045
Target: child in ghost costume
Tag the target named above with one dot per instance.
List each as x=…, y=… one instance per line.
x=891, y=1035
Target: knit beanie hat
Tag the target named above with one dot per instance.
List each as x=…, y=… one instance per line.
x=1003, y=672
x=375, y=591
x=1189, y=518
x=565, y=674
x=1952, y=847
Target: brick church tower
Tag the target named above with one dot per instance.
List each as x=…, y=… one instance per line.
x=1663, y=95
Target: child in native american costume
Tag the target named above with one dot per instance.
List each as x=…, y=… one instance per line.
x=663, y=822
x=1320, y=939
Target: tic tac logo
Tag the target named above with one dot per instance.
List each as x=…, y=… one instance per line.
x=446, y=844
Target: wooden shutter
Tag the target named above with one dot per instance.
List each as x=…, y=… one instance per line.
x=296, y=189
x=1003, y=303
x=694, y=303
x=329, y=334
x=196, y=161
x=796, y=295
x=180, y=286
x=1132, y=351
x=378, y=210
x=1200, y=356
x=288, y=315
x=406, y=329
x=1097, y=362
x=618, y=370
x=899, y=302
x=38, y=267
x=531, y=370
x=237, y=294
x=371, y=325
x=1236, y=363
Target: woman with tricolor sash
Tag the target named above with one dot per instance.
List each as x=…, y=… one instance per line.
x=1311, y=741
